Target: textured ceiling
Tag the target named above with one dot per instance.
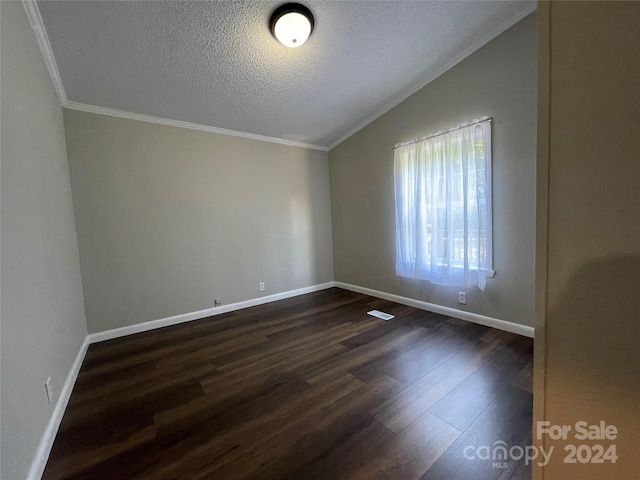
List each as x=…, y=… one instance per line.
x=216, y=63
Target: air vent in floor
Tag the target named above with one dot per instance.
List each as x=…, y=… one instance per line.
x=379, y=314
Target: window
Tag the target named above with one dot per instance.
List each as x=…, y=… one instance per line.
x=443, y=206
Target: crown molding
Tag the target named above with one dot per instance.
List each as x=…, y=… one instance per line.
x=490, y=35
x=35, y=19
x=83, y=107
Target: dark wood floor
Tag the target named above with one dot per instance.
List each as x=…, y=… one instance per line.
x=306, y=388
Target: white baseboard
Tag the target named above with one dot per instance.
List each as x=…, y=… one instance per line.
x=450, y=312
x=209, y=312
x=46, y=442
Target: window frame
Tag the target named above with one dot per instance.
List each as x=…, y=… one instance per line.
x=489, y=263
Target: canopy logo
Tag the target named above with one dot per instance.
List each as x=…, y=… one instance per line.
x=500, y=453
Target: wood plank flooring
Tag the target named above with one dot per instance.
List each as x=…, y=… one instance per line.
x=305, y=388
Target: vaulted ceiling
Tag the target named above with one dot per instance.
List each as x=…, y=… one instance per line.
x=216, y=64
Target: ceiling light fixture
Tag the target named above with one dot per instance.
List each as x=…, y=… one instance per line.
x=292, y=24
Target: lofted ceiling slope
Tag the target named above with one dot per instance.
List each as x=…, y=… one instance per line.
x=216, y=64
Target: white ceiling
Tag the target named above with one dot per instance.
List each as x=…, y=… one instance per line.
x=216, y=63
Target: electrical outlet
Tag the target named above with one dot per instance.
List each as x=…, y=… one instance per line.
x=462, y=298
x=48, y=388
x=261, y=286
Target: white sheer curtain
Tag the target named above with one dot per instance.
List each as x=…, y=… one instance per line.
x=443, y=206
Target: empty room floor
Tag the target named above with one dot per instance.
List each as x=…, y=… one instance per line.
x=305, y=388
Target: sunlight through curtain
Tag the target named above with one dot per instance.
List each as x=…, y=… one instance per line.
x=443, y=206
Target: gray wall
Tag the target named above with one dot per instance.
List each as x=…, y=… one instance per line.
x=497, y=80
x=170, y=219
x=587, y=358
x=43, y=324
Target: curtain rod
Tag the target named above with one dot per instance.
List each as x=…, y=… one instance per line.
x=463, y=125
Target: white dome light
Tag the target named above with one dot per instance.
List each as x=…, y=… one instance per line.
x=292, y=29
x=292, y=24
